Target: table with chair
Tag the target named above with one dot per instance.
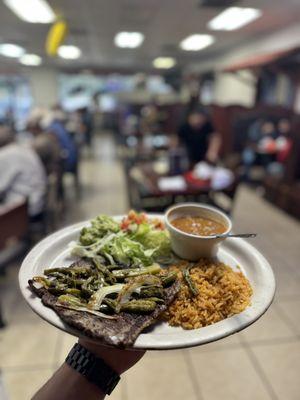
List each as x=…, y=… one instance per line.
x=152, y=190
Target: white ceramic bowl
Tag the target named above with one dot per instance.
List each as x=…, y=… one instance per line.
x=192, y=247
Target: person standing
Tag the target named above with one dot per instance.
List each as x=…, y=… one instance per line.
x=199, y=137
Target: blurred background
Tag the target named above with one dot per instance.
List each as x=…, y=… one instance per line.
x=112, y=105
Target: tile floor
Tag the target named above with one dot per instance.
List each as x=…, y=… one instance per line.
x=261, y=363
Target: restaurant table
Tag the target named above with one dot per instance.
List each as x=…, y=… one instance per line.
x=144, y=192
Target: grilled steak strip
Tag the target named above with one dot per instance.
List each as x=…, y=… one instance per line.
x=121, y=331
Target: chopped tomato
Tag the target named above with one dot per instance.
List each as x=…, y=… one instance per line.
x=158, y=224
x=125, y=223
x=140, y=218
x=133, y=217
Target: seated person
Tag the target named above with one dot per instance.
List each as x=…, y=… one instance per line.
x=48, y=149
x=199, y=137
x=54, y=123
x=284, y=144
x=22, y=174
x=284, y=141
x=261, y=146
x=266, y=144
x=46, y=145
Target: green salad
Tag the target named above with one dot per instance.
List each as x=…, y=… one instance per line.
x=137, y=241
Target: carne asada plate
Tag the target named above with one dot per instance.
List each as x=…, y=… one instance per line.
x=139, y=287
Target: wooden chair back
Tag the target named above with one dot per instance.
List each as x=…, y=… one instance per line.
x=14, y=223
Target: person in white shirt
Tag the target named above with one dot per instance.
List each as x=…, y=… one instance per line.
x=21, y=174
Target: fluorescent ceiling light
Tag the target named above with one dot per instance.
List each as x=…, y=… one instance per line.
x=34, y=11
x=196, y=42
x=234, y=18
x=129, y=40
x=11, y=50
x=164, y=62
x=31, y=60
x=69, y=52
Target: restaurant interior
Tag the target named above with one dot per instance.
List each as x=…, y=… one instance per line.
x=99, y=105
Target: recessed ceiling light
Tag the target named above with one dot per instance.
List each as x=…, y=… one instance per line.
x=31, y=60
x=11, y=50
x=129, y=40
x=34, y=11
x=164, y=62
x=234, y=18
x=69, y=52
x=196, y=42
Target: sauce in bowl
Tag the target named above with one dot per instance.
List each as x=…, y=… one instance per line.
x=199, y=226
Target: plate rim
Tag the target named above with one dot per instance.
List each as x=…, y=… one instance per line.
x=230, y=325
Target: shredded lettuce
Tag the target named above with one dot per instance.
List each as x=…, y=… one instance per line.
x=124, y=250
x=153, y=239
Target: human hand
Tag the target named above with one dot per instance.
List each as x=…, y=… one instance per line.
x=211, y=158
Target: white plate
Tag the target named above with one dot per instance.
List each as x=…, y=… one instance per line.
x=53, y=251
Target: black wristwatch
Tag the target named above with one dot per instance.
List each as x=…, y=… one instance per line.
x=93, y=368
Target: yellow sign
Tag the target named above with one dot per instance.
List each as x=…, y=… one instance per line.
x=56, y=37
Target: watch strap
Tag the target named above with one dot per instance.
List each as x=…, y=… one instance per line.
x=93, y=368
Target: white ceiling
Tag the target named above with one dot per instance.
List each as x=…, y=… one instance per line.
x=93, y=24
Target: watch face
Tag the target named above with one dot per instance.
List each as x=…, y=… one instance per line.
x=94, y=369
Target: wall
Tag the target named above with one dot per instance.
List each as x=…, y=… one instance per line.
x=44, y=85
x=143, y=97
x=234, y=89
x=281, y=40
x=229, y=89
